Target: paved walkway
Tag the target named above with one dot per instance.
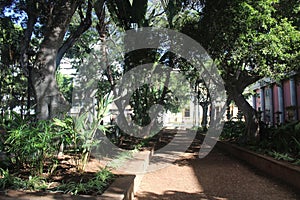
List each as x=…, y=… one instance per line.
x=216, y=177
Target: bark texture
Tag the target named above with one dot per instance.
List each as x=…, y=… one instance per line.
x=50, y=101
x=235, y=88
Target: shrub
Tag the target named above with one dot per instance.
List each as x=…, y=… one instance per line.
x=286, y=138
x=95, y=185
x=233, y=130
x=81, y=132
x=10, y=181
x=283, y=143
x=7, y=180
x=29, y=145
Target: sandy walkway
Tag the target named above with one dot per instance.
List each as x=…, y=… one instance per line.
x=217, y=176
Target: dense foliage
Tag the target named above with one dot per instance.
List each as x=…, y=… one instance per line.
x=282, y=143
x=37, y=150
x=247, y=39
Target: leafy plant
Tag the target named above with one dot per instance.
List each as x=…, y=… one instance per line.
x=11, y=120
x=35, y=183
x=31, y=144
x=67, y=133
x=282, y=143
x=91, y=125
x=87, y=131
x=80, y=132
x=233, y=130
x=297, y=144
x=10, y=181
x=280, y=156
x=65, y=85
x=297, y=162
x=96, y=185
x=7, y=180
x=284, y=138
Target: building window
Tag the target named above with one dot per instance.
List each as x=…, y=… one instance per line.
x=187, y=112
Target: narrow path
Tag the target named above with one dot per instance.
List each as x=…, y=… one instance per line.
x=216, y=177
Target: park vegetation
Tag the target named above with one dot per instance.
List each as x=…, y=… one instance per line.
x=248, y=40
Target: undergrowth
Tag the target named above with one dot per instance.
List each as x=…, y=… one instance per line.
x=96, y=185
x=281, y=143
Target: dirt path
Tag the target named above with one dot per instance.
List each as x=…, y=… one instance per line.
x=215, y=177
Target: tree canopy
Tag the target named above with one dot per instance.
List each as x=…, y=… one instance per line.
x=248, y=40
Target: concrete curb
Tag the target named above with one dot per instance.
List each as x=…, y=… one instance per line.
x=137, y=166
x=121, y=189
x=283, y=171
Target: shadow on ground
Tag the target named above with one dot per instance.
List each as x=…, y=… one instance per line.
x=218, y=177
x=169, y=194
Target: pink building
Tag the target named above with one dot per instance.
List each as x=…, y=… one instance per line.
x=279, y=102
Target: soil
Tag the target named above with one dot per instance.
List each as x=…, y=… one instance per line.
x=66, y=171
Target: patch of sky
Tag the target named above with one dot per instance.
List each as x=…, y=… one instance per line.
x=17, y=15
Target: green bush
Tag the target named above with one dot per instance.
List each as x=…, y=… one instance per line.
x=95, y=185
x=283, y=143
x=68, y=133
x=284, y=139
x=8, y=180
x=81, y=132
x=12, y=120
x=233, y=130
x=32, y=148
x=31, y=144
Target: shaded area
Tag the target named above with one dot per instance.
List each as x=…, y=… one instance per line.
x=217, y=176
x=157, y=141
x=171, y=194
x=66, y=173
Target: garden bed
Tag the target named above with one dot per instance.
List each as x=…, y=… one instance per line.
x=61, y=177
x=122, y=186
x=95, y=182
x=120, y=189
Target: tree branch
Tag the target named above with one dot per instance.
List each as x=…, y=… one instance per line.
x=84, y=25
x=32, y=18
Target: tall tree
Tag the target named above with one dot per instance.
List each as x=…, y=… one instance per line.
x=135, y=14
x=250, y=40
x=48, y=97
x=47, y=37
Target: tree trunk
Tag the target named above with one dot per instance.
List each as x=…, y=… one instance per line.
x=250, y=114
x=204, y=121
x=50, y=101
